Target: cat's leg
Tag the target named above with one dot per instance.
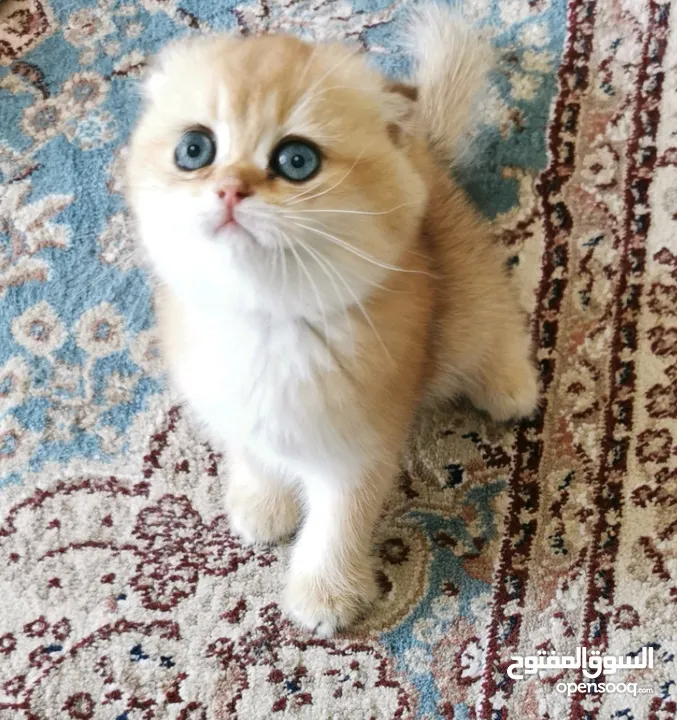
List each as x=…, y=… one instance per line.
x=506, y=384
x=261, y=507
x=331, y=576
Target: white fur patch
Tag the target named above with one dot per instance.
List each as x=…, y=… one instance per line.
x=224, y=142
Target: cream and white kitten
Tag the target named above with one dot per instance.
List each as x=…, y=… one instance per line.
x=320, y=279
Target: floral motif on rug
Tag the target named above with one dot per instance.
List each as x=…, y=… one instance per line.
x=123, y=593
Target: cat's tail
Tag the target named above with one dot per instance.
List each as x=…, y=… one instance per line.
x=451, y=62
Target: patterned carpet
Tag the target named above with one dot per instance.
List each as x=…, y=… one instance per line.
x=123, y=594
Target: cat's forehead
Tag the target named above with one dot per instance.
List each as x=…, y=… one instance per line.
x=259, y=87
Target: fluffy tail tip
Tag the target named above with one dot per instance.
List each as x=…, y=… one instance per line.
x=451, y=63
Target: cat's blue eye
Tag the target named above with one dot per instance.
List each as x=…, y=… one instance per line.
x=195, y=150
x=295, y=160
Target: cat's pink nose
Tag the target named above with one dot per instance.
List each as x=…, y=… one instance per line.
x=232, y=194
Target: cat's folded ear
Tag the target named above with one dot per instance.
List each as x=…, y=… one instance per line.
x=401, y=110
x=154, y=79
x=199, y=48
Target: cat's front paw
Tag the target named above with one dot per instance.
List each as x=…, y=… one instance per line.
x=261, y=515
x=325, y=604
x=510, y=393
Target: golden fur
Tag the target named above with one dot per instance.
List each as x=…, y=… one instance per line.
x=404, y=299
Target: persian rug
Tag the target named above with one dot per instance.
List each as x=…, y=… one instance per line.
x=123, y=593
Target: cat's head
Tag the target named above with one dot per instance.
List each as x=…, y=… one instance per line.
x=272, y=174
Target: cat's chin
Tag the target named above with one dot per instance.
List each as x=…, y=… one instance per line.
x=233, y=231
x=236, y=232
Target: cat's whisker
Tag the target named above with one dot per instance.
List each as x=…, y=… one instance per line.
x=357, y=301
x=295, y=216
x=274, y=265
x=263, y=215
x=117, y=265
x=363, y=279
x=348, y=212
x=305, y=192
x=276, y=216
x=280, y=256
x=75, y=300
x=84, y=235
x=323, y=133
x=313, y=285
x=122, y=261
x=308, y=65
x=132, y=315
x=364, y=256
x=315, y=255
x=342, y=87
x=333, y=187
x=284, y=269
x=309, y=94
x=425, y=257
x=374, y=284
x=87, y=288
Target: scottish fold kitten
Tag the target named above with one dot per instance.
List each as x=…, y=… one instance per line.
x=320, y=279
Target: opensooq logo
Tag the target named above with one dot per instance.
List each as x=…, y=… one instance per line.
x=592, y=664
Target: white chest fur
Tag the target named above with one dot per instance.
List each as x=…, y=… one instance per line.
x=262, y=385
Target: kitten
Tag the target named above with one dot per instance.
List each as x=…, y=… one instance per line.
x=320, y=279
